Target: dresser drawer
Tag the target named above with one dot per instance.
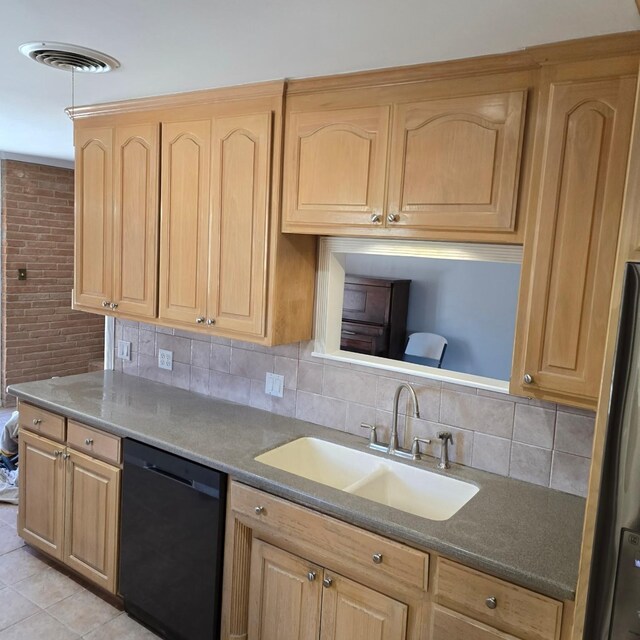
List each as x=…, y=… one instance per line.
x=94, y=442
x=449, y=625
x=518, y=611
x=42, y=422
x=340, y=545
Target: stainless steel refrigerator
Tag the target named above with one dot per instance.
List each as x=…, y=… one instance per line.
x=613, y=605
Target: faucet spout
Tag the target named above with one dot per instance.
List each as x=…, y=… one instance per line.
x=393, y=440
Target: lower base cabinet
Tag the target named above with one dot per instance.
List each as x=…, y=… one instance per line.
x=292, y=599
x=69, y=501
x=294, y=574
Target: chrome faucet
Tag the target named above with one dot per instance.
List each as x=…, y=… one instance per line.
x=445, y=438
x=393, y=439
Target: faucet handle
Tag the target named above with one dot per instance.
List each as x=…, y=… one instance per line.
x=415, y=447
x=373, y=437
x=444, y=436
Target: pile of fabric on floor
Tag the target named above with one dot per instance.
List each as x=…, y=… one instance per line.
x=9, y=460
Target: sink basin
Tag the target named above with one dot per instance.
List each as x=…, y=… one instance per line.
x=418, y=491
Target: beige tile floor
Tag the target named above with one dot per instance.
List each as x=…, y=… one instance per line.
x=39, y=602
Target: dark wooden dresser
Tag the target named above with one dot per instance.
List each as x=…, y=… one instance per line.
x=374, y=316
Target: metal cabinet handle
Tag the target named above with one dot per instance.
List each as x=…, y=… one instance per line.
x=114, y=305
x=327, y=582
x=375, y=218
x=259, y=510
x=311, y=576
x=393, y=217
x=377, y=558
x=211, y=321
x=106, y=304
x=88, y=441
x=491, y=602
x=37, y=421
x=200, y=320
x=528, y=378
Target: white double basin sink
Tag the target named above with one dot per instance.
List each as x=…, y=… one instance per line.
x=409, y=488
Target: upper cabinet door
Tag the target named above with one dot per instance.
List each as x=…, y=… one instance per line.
x=455, y=163
x=186, y=150
x=580, y=201
x=240, y=198
x=335, y=164
x=94, y=211
x=136, y=219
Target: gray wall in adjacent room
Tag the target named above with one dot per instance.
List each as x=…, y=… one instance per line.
x=472, y=304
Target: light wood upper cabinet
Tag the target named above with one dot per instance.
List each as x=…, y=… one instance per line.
x=335, y=163
x=240, y=222
x=570, y=253
x=454, y=163
x=117, y=219
x=136, y=219
x=186, y=151
x=42, y=491
x=91, y=519
x=433, y=167
x=94, y=216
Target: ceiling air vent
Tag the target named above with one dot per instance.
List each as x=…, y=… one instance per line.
x=69, y=57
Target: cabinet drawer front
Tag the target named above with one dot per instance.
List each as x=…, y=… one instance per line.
x=96, y=443
x=43, y=422
x=448, y=625
x=344, y=544
x=526, y=614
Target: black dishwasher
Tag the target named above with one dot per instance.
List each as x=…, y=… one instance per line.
x=171, y=542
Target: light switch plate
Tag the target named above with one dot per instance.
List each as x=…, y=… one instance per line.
x=165, y=359
x=274, y=385
x=124, y=350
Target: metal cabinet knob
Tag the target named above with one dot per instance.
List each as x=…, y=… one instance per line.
x=37, y=421
x=57, y=453
x=259, y=510
x=114, y=305
x=106, y=303
x=528, y=378
x=491, y=602
x=393, y=217
x=211, y=321
x=327, y=582
x=88, y=441
x=375, y=218
x=66, y=455
x=377, y=558
x=311, y=576
x=200, y=320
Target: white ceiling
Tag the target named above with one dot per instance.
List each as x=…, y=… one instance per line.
x=166, y=46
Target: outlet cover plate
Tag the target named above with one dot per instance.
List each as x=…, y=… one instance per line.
x=274, y=385
x=124, y=350
x=165, y=359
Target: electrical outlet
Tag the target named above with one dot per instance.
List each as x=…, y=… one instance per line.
x=274, y=385
x=165, y=359
x=124, y=350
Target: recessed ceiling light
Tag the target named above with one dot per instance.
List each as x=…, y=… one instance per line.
x=69, y=57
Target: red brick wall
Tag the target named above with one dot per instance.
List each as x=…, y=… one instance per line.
x=41, y=336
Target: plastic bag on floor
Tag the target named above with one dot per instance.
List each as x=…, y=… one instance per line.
x=9, y=486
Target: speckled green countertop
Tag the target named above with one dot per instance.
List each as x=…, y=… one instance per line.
x=526, y=534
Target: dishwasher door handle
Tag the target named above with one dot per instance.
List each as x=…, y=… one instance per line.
x=168, y=474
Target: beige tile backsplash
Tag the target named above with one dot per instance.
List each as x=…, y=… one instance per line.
x=538, y=442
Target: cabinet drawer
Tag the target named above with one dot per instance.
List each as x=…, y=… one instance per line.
x=338, y=544
x=526, y=614
x=94, y=442
x=43, y=422
x=448, y=625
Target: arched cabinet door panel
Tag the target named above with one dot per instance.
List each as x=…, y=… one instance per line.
x=335, y=165
x=563, y=328
x=455, y=162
